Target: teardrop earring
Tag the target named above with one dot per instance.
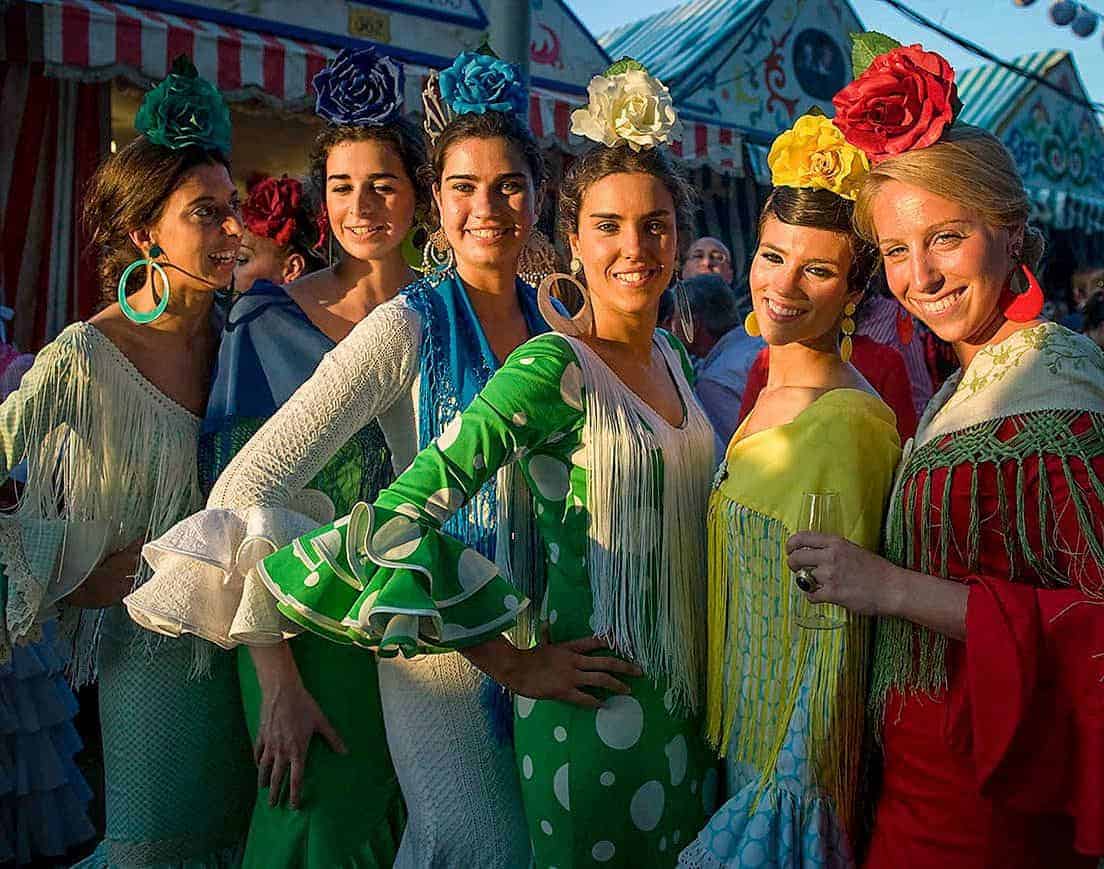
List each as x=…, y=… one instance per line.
x=1023, y=298
x=847, y=328
x=751, y=325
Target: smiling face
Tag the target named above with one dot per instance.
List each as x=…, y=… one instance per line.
x=369, y=198
x=487, y=203
x=798, y=282
x=944, y=264
x=627, y=240
x=199, y=229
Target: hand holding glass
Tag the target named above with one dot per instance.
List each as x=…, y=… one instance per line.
x=820, y=512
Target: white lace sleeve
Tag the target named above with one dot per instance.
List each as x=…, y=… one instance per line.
x=203, y=581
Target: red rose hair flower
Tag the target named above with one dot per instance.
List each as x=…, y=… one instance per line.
x=904, y=100
x=270, y=209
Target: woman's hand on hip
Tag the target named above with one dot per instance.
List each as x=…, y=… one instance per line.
x=554, y=671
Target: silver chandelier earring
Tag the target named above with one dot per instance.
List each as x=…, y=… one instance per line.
x=438, y=257
x=553, y=311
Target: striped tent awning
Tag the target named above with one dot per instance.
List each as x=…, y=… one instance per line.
x=990, y=93
x=98, y=40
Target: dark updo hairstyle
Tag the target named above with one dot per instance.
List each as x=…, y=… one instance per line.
x=129, y=192
x=599, y=162
x=401, y=134
x=489, y=125
x=817, y=208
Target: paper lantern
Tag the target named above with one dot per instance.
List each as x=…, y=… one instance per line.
x=1062, y=12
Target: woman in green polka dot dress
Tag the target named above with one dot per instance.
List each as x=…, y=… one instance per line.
x=604, y=459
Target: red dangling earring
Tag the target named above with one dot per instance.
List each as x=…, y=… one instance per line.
x=1022, y=300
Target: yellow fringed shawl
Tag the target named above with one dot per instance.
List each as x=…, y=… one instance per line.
x=846, y=442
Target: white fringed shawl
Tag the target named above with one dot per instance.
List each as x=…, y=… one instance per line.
x=110, y=460
x=647, y=495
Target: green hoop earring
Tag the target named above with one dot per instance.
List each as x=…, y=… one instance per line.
x=142, y=317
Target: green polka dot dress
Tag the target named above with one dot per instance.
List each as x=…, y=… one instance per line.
x=615, y=499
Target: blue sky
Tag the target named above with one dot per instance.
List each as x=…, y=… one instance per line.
x=1003, y=28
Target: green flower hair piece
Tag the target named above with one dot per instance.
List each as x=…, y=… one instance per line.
x=185, y=110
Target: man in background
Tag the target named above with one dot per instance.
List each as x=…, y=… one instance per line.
x=722, y=350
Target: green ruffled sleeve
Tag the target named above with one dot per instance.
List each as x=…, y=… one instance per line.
x=386, y=576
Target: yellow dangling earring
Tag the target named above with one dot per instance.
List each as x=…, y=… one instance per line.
x=751, y=325
x=847, y=327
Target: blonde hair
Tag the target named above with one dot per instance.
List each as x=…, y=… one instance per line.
x=968, y=166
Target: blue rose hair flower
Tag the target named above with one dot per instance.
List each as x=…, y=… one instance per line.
x=479, y=83
x=359, y=88
x=185, y=110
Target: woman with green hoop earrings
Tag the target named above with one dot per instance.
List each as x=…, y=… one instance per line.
x=107, y=421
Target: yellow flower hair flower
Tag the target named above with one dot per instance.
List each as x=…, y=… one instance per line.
x=814, y=154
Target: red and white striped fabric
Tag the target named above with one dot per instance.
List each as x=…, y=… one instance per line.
x=98, y=39
x=104, y=39
x=53, y=133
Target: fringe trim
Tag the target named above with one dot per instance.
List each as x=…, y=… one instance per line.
x=911, y=658
x=438, y=404
x=102, y=444
x=519, y=551
x=646, y=495
x=760, y=685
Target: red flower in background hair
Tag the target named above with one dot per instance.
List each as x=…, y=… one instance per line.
x=904, y=100
x=270, y=210
x=322, y=224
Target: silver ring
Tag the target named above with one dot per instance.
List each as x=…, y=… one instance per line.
x=806, y=580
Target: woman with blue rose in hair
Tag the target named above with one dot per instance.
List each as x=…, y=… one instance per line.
x=310, y=731
x=107, y=421
x=410, y=366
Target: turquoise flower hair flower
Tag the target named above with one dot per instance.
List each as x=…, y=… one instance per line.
x=185, y=110
x=478, y=83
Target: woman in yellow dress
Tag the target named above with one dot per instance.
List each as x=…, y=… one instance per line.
x=786, y=690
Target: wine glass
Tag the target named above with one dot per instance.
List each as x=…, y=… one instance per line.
x=820, y=512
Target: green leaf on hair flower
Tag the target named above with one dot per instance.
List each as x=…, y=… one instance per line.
x=183, y=65
x=485, y=47
x=624, y=65
x=867, y=46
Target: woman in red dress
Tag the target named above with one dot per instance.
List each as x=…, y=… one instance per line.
x=990, y=654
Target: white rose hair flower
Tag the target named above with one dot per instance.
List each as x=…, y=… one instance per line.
x=627, y=105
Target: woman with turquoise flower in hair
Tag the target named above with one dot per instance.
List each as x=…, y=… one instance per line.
x=107, y=421
x=602, y=458
x=308, y=730
x=408, y=367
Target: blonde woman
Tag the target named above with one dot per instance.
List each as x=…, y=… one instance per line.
x=987, y=668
